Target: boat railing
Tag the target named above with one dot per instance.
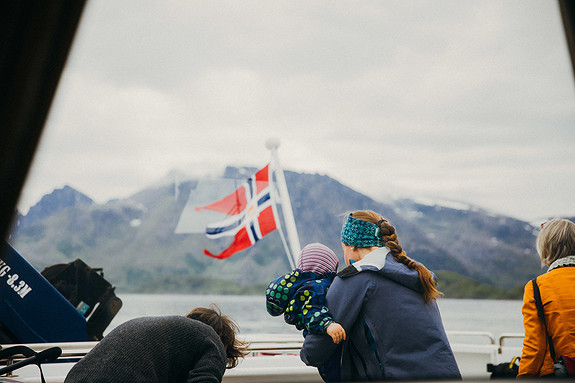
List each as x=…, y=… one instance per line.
x=472, y=334
x=69, y=349
x=506, y=336
x=261, y=344
x=275, y=344
x=289, y=344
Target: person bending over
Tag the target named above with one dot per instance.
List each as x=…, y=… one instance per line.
x=194, y=348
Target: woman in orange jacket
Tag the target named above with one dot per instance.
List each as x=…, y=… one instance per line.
x=556, y=247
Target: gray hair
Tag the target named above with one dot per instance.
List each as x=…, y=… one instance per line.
x=556, y=240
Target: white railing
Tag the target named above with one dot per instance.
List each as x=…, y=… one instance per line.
x=274, y=343
x=508, y=335
x=477, y=334
x=262, y=344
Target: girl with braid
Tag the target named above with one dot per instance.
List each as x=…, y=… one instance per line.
x=386, y=302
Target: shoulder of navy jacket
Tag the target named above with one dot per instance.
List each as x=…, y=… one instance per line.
x=330, y=276
x=348, y=272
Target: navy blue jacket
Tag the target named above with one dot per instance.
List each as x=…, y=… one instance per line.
x=392, y=333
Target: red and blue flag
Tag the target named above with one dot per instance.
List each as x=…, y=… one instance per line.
x=251, y=214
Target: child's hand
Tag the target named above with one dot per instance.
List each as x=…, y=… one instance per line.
x=336, y=332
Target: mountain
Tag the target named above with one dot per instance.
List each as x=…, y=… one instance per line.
x=54, y=202
x=493, y=249
x=133, y=240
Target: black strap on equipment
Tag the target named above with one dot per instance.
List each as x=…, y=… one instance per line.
x=37, y=358
x=539, y=306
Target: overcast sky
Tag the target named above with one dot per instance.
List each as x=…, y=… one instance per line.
x=472, y=101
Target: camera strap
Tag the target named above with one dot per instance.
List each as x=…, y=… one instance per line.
x=539, y=305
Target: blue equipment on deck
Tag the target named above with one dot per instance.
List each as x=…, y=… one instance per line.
x=31, y=308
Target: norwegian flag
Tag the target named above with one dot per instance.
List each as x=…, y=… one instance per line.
x=251, y=214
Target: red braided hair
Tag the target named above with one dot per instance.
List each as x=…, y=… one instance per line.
x=388, y=234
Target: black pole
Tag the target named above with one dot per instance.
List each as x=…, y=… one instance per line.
x=567, y=8
x=36, y=39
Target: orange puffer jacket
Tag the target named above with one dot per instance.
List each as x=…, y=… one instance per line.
x=557, y=288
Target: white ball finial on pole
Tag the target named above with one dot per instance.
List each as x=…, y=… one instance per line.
x=272, y=143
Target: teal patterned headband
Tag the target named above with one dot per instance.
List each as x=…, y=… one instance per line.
x=359, y=233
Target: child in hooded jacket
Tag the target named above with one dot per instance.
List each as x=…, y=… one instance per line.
x=300, y=295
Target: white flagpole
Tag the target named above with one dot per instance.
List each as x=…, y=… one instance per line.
x=272, y=144
x=276, y=198
x=286, y=247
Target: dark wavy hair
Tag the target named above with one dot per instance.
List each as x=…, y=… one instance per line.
x=226, y=328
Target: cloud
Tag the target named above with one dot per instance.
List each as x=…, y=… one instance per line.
x=471, y=100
